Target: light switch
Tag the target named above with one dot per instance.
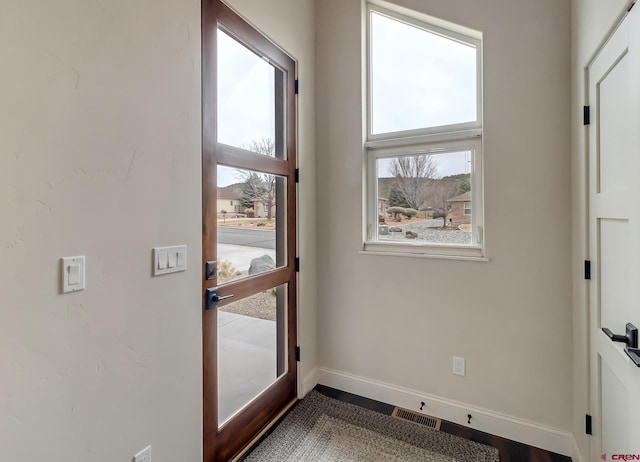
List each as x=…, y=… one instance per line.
x=162, y=260
x=181, y=260
x=169, y=259
x=74, y=274
x=72, y=271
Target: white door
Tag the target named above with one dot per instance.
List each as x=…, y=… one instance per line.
x=614, y=239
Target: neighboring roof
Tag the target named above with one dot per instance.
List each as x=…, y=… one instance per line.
x=464, y=197
x=233, y=191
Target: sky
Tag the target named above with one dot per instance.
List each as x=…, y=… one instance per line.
x=420, y=79
x=246, y=99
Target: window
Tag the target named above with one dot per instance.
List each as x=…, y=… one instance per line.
x=424, y=136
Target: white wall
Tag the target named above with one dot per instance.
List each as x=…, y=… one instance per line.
x=100, y=156
x=400, y=320
x=592, y=21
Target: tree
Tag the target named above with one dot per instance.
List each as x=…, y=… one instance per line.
x=462, y=182
x=259, y=187
x=396, y=198
x=440, y=191
x=413, y=174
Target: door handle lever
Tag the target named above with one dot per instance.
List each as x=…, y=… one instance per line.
x=630, y=338
x=212, y=298
x=634, y=354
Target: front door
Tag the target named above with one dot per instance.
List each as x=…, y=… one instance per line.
x=249, y=232
x=614, y=241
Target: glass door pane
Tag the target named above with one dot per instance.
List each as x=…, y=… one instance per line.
x=250, y=94
x=251, y=223
x=251, y=348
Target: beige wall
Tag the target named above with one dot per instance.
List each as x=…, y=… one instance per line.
x=100, y=156
x=592, y=20
x=400, y=320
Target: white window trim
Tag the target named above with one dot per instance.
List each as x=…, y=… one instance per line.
x=442, y=139
x=371, y=242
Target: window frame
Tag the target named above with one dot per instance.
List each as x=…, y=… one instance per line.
x=465, y=136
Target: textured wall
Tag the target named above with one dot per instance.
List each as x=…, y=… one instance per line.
x=400, y=320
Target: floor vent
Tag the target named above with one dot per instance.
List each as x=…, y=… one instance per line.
x=417, y=418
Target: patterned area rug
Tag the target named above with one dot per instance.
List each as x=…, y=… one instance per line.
x=322, y=429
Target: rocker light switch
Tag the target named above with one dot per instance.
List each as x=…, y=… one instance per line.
x=74, y=274
x=72, y=269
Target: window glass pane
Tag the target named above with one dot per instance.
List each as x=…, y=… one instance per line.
x=251, y=233
x=422, y=197
x=419, y=79
x=249, y=106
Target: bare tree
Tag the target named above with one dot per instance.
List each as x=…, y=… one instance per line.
x=259, y=187
x=413, y=174
x=438, y=195
x=264, y=146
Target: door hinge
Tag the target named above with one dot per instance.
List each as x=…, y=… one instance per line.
x=296, y=87
x=297, y=175
x=588, y=427
x=587, y=269
x=586, y=115
x=297, y=353
x=297, y=264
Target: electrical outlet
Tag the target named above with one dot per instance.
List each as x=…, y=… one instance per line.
x=143, y=456
x=459, y=366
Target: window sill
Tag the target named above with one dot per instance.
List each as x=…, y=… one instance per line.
x=436, y=252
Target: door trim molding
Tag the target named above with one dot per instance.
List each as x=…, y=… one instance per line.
x=514, y=428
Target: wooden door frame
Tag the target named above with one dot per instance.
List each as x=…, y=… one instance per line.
x=220, y=446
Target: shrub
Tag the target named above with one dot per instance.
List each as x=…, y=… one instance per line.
x=395, y=212
x=439, y=214
x=226, y=271
x=410, y=213
x=250, y=213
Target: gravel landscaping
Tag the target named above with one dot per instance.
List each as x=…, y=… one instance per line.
x=428, y=230
x=261, y=305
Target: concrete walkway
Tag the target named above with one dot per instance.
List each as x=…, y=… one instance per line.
x=246, y=360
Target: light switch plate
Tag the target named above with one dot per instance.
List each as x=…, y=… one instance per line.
x=169, y=259
x=72, y=274
x=143, y=456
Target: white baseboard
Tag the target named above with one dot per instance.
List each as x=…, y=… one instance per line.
x=308, y=383
x=513, y=428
